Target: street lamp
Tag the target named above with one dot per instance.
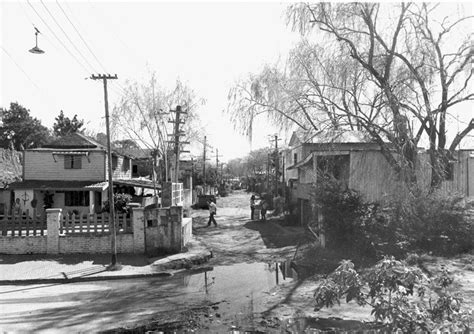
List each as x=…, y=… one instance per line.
x=36, y=49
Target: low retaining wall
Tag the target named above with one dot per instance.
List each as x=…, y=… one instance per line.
x=95, y=244
x=163, y=228
x=23, y=245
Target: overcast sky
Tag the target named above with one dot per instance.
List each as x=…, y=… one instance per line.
x=207, y=45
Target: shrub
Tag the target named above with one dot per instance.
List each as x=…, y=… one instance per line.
x=417, y=221
x=120, y=203
x=400, y=296
x=434, y=223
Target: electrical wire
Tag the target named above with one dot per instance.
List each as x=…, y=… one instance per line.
x=81, y=37
x=48, y=98
x=67, y=37
x=57, y=38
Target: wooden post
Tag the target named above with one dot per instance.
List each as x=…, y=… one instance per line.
x=113, y=245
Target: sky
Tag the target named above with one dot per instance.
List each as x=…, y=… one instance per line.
x=209, y=46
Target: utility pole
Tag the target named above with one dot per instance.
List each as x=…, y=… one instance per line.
x=276, y=159
x=204, y=161
x=177, y=133
x=217, y=165
x=104, y=78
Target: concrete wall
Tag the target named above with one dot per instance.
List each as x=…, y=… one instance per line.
x=23, y=245
x=42, y=165
x=167, y=231
x=94, y=244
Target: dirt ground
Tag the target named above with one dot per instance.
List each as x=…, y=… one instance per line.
x=288, y=308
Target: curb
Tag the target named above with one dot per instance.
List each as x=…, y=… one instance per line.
x=183, y=262
x=80, y=279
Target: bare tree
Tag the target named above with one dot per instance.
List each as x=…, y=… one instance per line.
x=143, y=116
x=392, y=71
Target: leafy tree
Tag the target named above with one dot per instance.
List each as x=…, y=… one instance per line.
x=125, y=144
x=64, y=125
x=19, y=130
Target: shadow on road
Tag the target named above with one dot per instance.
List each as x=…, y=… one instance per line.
x=101, y=259
x=274, y=236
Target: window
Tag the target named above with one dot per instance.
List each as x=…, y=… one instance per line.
x=76, y=198
x=126, y=164
x=134, y=169
x=295, y=158
x=114, y=162
x=72, y=162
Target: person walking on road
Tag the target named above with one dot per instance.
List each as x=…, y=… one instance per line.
x=212, y=213
x=252, y=206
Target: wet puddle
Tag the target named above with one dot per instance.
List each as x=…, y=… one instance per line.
x=238, y=284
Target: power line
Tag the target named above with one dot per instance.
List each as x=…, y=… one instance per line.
x=20, y=68
x=67, y=37
x=57, y=38
x=81, y=37
x=48, y=98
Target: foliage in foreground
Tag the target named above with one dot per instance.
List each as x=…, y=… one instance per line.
x=418, y=222
x=401, y=297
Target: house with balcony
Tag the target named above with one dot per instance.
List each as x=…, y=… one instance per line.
x=71, y=173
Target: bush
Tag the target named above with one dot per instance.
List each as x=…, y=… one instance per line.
x=400, y=296
x=347, y=220
x=418, y=222
x=433, y=223
x=121, y=202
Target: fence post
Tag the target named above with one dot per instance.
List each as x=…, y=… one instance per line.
x=138, y=226
x=176, y=219
x=53, y=219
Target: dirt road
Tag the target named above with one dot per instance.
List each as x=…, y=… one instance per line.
x=238, y=239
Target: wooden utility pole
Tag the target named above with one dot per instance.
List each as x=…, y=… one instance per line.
x=217, y=165
x=276, y=160
x=177, y=133
x=113, y=232
x=204, y=161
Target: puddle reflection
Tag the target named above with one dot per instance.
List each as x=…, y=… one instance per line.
x=239, y=282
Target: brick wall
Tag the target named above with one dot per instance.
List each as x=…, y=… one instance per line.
x=169, y=231
x=23, y=245
x=94, y=244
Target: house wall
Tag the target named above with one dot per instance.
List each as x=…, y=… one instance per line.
x=41, y=165
x=122, y=170
x=371, y=175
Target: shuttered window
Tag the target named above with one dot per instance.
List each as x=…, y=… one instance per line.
x=72, y=161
